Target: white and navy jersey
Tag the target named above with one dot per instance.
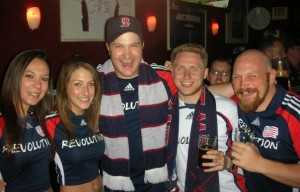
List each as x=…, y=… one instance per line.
x=76, y=160
x=28, y=170
x=277, y=133
x=227, y=118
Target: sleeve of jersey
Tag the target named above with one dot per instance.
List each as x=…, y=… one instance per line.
x=1, y=126
x=294, y=124
x=165, y=74
x=291, y=113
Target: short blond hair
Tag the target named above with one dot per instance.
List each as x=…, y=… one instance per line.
x=191, y=47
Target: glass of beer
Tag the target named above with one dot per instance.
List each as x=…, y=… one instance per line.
x=243, y=135
x=206, y=142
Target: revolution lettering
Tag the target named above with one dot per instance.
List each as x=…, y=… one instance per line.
x=30, y=146
x=81, y=142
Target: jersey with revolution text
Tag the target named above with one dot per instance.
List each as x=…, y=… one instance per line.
x=227, y=119
x=277, y=133
x=76, y=160
x=28, y=170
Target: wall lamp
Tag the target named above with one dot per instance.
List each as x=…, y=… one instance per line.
x=33, y=17
x=151, y=23
x=215, y=28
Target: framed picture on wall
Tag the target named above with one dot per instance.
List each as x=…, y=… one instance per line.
x=236, y=28
x=186, y=23
x=236, y=22
x=84, y=20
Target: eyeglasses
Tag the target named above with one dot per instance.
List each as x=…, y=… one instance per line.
x=222, y=73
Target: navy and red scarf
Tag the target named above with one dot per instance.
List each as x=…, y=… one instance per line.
x=204, y=122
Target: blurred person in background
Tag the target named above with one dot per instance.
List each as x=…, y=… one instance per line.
x=219, y=71
x=293, y=56
x=274, y=48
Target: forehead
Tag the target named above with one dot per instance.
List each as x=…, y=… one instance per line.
x=80, y=72
x=250, y=63
x=220, y=64
x=127, y=37
x=38, y=65
x=278, y=45
x=188, y=58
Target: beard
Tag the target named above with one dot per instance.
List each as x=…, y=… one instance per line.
x=251, y=105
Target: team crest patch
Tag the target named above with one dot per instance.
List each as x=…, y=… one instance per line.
x=40, y=131
x=270, y=132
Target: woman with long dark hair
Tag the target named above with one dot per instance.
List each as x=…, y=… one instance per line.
x=26, y=98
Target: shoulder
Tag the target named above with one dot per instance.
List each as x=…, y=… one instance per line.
x=53, y=114
x=2, y=124
x=226, y=107
x=224, y=102
x=105, y=68
x=157, y=67
x=291, y=103
x=52, y=119
x=292, y=98
x=226, y=110
x=165, y=75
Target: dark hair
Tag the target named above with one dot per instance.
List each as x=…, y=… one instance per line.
x=63, y=107
x=267, y=42
x=11, y=97
x=221, y=60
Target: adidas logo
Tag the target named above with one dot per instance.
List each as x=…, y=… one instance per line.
x=83, y=123
x=129, y=87
x=190, y=116
x=256, y=122
x=28, y=126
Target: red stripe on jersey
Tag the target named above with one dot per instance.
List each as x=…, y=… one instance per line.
x=294, y=127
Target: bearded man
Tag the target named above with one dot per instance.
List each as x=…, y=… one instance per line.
x=271, y=162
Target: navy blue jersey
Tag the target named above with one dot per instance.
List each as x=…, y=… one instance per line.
x=277, y=133
x=76, y=160
x=28, y=171
x=129, y=94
